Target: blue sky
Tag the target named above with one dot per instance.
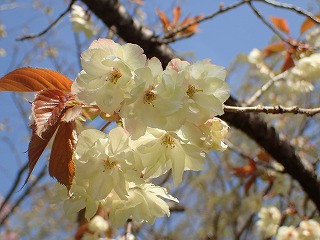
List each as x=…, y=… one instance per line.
x=220, y=39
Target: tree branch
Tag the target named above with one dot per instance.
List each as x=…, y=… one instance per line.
x=172, y=33
x=275, y=31
x=24, y=195
x=14, y=186
x=113, y=14
x=273, y=110
x=291, y=7
x=265, y=88
x=50, y=26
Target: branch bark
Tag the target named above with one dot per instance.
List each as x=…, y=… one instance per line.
x=113, y=14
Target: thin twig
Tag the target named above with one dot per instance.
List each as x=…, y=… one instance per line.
x=259, y=15
x=175, y=39
x=291, y=7
x=273, y=110
x=265, y=87
x=24, y=195
x=50, y=26
x=14, y=186
x=105, y=126
x=184, y=27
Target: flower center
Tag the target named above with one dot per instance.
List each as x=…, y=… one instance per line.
x=192, y=90
x=114, y=76
x=108, y=165
x=168, y=141
x=149, y=96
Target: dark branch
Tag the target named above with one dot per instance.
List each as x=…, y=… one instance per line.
x=200, y=20
x=24, y=195
x=275, y=31
x=115, y=16
x=50, y=26
x=290, y=7
x=14, y=186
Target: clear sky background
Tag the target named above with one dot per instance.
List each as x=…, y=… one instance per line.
x=220, y=39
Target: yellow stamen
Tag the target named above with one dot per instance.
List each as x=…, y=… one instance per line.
x=168, y=141
x=108, y=165
x=192, y=90
x=114, y=76
x=149, y=96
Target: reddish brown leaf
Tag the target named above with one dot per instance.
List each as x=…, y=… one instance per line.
x=288, y=62
x=33, y=80
x=61, y=165
x=245, y=171
x=307, y=24
x=47, y=107
x=192, y=28
x=166, y=24
x=37, y=146
x=263, y=156
x=274, y=48
x=176, y=15
x=249, y=183
x=281, y=24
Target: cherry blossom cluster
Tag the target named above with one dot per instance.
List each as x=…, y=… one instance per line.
x=269, y=221
x=81, y=21
x=166, y=121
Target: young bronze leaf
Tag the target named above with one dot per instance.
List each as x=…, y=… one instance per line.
x=61, y=165
x=30, y=79
x=47, y=107
x=281, y=24
x=176, y=15
x=274, y=48
x=307, y=24
x=37, y=146
x=288, y=62
x=193, y=28
x=166, y=24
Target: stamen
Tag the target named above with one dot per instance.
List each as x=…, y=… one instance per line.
x=149, y=96
x=114, y=76
x=168, y=141
x=108, y=165
x=192, y=90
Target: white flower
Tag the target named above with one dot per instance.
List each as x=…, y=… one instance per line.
x=281, y=183
x=287, y=233
x=309, y=230
x=255, y=56
x=215, y=130
x=98, y=225
x=313, y=37
x=177, y=65
x=268, y=223
x=78, y=199
x=159, y=150
x=143, y=204
x=107, y=76
x=307, y=68
x=206, y=90
x=102, y=159
x=81, y=21
x=156, y=101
